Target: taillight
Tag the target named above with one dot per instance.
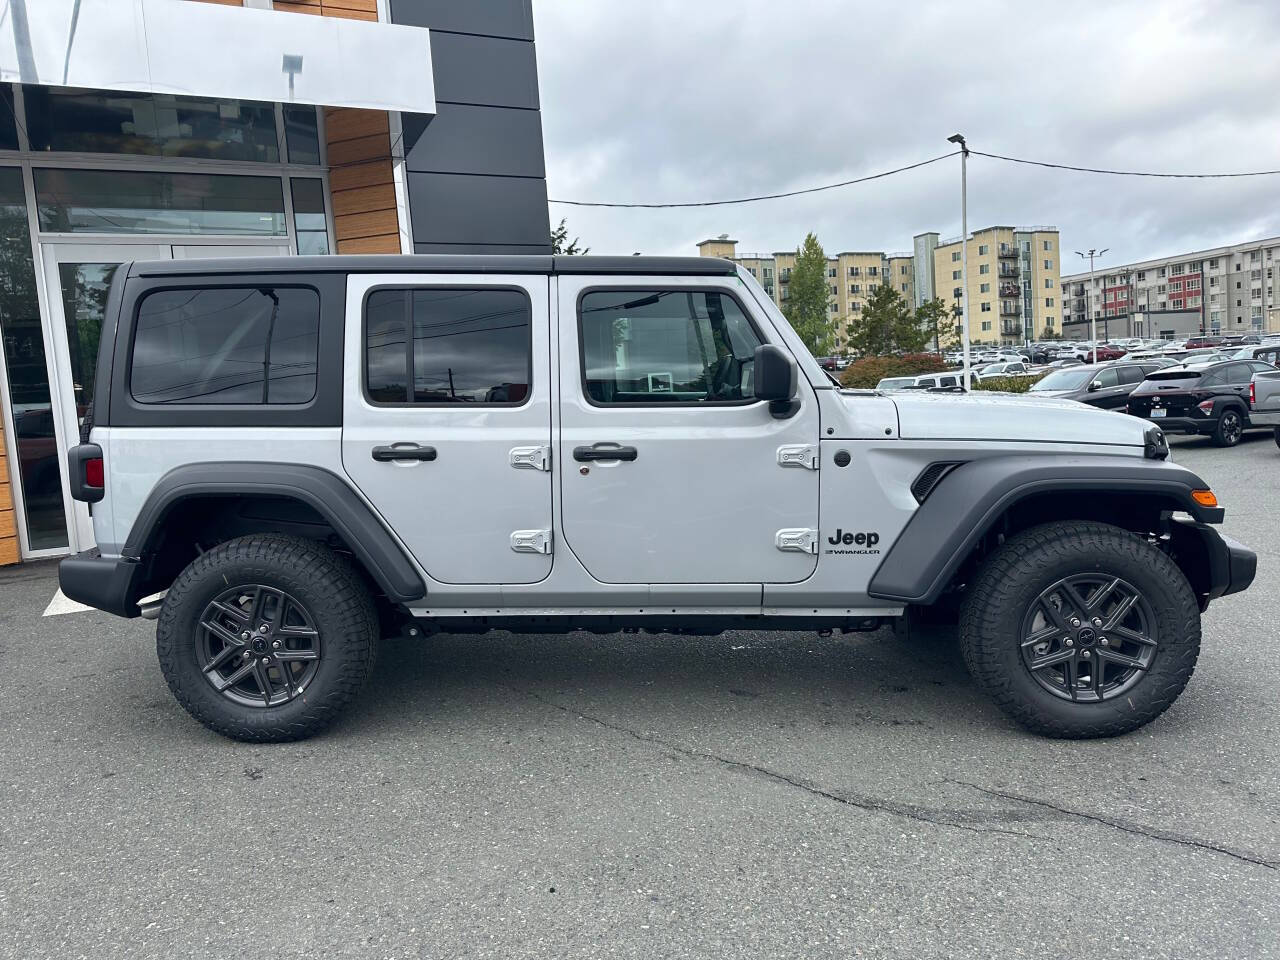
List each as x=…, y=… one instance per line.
x=1253, y=395
x=1205, y=406
x=94, y=475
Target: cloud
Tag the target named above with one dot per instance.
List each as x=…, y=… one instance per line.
x=671, y=100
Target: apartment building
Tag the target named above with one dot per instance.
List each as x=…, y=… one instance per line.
x=852, y=275
x=1014, y=282
x=1221, y=290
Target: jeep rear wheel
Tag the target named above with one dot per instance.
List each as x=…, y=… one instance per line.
x=266, y=638
x=1080, y=630
x=1229, y=430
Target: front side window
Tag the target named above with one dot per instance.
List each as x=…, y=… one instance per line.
x=1107, y=378
x=448, y=345
x=666, y=346
x=226, y=345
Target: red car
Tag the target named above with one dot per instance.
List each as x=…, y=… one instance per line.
x=1197, y=343
x=1104, y=353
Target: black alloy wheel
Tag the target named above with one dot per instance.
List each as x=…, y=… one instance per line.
x=1230, y=429
x=1089, y=637
x=258, y=646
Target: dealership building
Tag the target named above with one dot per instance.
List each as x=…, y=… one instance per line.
x=163, y=129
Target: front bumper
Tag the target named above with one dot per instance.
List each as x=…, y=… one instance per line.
x=107, y=583
x=1215, y=564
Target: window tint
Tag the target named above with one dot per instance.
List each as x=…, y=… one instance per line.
x=668, y=346
x=1130, y=374
x=448, y=346
x=1239, y=373
x=1107, y=377
x=226, y=345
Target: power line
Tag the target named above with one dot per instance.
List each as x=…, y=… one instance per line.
x=1128, y=173
x=767, y=196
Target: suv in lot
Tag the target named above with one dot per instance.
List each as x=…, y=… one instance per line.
x=1211, y=399
x=1106, y=385
x=287, y=460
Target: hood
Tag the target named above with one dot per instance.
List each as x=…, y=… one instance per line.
x=1007, y=416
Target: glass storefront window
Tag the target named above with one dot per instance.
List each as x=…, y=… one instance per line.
x=84, y=305
x=37, y=469
x=136, y=202
x=301, y=134
x=158, y=125
x=8, y=119
x=308, y=215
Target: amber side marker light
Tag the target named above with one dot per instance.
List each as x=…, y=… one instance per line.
x=1204, y=497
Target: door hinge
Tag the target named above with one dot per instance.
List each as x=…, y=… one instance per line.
x=798, y=455
x=530, y=458
x=531, y=541
x=797, y=541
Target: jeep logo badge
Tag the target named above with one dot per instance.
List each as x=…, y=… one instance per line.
x=848, y=539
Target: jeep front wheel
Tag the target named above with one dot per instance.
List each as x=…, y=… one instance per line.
x=1080, y=629
x=266, y=638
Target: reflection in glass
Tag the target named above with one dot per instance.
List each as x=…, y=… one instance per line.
x=309, y=221
x=8, y=119
x=120, y=201
x=158, y=125
x=84, y=304
x=38, y=471
x=301, y=134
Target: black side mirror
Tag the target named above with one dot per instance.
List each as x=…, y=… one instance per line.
x=775, y=379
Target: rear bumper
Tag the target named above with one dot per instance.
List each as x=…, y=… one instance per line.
x=107, y=583
x=1184, y=424
x=1264, y=418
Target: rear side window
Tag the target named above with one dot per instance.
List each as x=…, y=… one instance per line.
x=1130, y=374
x=226, y=345
x=666, y=346
x=447, y=346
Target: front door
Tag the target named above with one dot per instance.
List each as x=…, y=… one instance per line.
x=77, y=278
x=447, y=419
x=672, y=471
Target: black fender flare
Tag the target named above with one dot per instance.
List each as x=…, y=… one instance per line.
x=324, y=491
x=961, y=508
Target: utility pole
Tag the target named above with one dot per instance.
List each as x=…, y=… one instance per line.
x=964, y=252
x=1093, y=319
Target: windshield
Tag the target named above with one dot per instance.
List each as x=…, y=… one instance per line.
x=992, y=368
x=1072, y=378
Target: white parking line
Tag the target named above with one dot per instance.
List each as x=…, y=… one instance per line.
x=60, y=604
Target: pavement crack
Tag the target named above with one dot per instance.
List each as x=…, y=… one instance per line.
x=1126, y=826
x=858, y=801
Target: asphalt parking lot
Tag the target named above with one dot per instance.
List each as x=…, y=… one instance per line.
x=750, y=795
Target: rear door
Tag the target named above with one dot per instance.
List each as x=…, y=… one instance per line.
x=447, y=419
x=673, y=472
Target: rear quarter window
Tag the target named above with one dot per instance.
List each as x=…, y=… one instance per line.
x=226, y=345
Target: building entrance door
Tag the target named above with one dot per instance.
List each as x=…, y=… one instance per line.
x=77, y=276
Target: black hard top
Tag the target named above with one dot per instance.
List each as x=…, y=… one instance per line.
x=437, y=263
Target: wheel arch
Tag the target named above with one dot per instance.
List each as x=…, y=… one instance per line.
x=199, y=504
x=982, y=500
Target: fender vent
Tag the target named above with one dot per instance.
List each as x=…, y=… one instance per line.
x=923, y=485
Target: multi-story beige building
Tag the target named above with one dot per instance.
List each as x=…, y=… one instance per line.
x=1014, y=283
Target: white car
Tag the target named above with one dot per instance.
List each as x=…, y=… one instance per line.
x=1005, y=368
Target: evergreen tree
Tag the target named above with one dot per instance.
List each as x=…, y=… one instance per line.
x=808, y=292
x=886, y=326
x=560, y=242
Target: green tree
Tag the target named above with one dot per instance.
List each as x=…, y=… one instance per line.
x=560, y=242
x=934, y=320
x=886, y=326
x=807, y=293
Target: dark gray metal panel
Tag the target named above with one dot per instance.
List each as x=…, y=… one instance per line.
x=493, y=18
x=482, y=248
x=485, y=70
x=260, y=268
x=464, y=209
x=464, y=138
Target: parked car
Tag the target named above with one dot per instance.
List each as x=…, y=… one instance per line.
x=828, y=363
x=934, y=381
x=1264, y=401
x=1102, y=352
x=889, y=384
x=1005, y=368
x=1196, y=343
x=1211, y=399
x=1270, y=352
x=1106, y=385
x=1065, y=362
x=322, y=459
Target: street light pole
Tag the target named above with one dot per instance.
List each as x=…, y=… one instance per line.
x=964, y=253
x=1093, y=317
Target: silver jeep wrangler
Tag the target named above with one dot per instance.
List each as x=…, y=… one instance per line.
x=287, y=460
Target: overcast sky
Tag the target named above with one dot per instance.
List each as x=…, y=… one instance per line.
x=676, y=100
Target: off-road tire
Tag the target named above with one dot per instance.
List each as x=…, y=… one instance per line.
x=332, y=592
x=1013, y=577
x=1230, y=428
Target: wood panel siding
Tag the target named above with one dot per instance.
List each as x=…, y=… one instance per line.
x=9, y=552
x=362, y=191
